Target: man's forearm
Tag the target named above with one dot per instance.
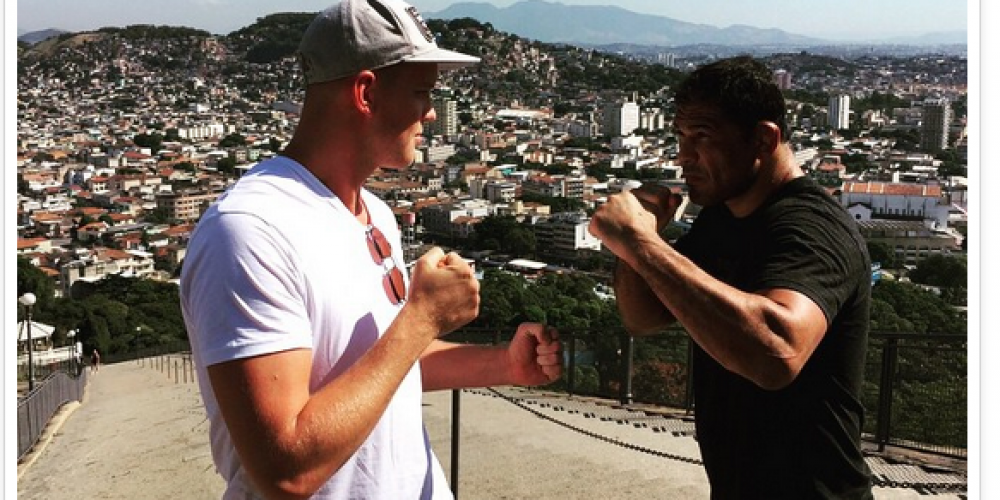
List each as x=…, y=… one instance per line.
x=747, y=333
x=291, y=441
x=641, y=310
x=447, y=365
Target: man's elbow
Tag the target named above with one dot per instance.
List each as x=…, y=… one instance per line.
x=280, y=481
x=642, y=325
x=776, y=374
x=642, y=328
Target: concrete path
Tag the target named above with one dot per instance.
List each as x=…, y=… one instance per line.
x=137, y=434
x=140, y=434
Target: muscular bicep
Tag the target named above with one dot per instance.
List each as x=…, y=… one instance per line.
x=797, y=321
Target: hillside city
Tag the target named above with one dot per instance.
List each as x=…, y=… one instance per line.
x=126, y=136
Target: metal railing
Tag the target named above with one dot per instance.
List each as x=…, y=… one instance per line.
x=916, y=392
x=175, y=347
x=915, y=388
x=65, y=382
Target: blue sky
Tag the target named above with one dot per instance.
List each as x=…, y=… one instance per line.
x=839, y=20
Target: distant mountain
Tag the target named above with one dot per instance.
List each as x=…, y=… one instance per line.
x=34, y=37
x=938, y=38
x=555, y=22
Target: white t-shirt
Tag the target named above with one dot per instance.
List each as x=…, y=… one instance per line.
x=279, y=263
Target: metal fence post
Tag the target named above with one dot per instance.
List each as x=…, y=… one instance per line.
x=689, y=385
x=627, y=348
x=890, y=353
x=571, y=369
x=456, y=417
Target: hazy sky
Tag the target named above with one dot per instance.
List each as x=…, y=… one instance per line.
x=836, y=20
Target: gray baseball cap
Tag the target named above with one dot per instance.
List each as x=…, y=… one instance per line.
x=355, y=35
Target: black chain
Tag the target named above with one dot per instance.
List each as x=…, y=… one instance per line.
x=595, y=435
x=876, y=481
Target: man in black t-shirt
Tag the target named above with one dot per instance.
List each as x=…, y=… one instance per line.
x=772, y=283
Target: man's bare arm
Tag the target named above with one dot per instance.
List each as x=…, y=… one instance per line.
x=641, y=310
x=292, y=441
x=766, y=336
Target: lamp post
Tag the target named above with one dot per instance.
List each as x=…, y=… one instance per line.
x=28, y=300
x=72, y=350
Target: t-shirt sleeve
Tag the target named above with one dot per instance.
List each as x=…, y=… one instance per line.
x=811, y=254
x=241, y=292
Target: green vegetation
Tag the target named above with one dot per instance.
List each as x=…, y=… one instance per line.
x=557, y=203
x=232, y=141
x=151, y=32
x=152, y=141
x=505, y=234
x=272, y=37
x=116, y=315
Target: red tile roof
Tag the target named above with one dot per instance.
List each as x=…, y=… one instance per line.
x=892, y=189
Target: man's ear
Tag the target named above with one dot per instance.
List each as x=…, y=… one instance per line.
x=363, y=92
x=768, y=137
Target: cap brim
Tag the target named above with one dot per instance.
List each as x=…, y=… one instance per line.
x=445, y=59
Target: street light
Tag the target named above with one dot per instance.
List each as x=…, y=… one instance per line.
x=28, y=300
x=72, y=350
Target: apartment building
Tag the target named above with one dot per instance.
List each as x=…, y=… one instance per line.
x=839, y=116
x=934, y=127
x=94, y=265
x=621, y=118
x=440, y=219
x=186, y=205
x=565, y=236
x=912, y=241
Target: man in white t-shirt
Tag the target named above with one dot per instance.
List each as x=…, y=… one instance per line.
x=311, y=341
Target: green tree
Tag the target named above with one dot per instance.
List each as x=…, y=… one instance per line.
x=172, y=134
x=23, y=187
x=502, y=299
x=185, y=166
x=883, y=254
x=152, y=141
x=520, y=241
x=941, y=270
x=921, y=310
x=32, y=279
x=226, y=165
x=158, y=215
x=232, y=141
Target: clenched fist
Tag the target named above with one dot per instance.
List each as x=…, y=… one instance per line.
x=443, y=290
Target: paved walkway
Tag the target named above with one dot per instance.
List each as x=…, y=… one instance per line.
x=140, y=434
x=137, y=434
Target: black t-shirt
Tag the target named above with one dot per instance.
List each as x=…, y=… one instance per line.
x=803, y=441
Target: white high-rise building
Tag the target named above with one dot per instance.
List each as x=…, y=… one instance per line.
x=652, y=119
x=934, y=127
x=621, y=118
x=446, y=124
x=783, y=78
x=839, y=116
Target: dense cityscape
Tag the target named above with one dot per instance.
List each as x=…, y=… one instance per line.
x=125, y=136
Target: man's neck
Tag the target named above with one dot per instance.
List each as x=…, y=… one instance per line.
x=770, y=179
x=340, y=179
